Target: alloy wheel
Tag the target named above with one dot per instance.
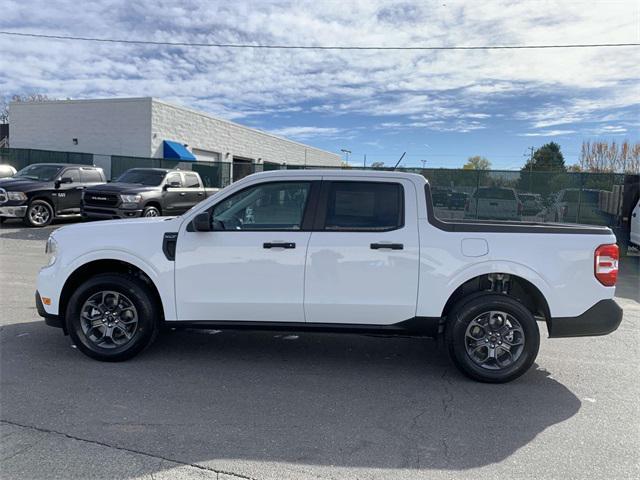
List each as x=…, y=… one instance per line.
x=494, y=340
x=109, y=319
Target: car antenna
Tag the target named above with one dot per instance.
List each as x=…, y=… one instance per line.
x=399, y=161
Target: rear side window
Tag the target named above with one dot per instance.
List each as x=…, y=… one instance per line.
x=495, y=193
x=191, y=180
x=364, y=206
x=91, y=176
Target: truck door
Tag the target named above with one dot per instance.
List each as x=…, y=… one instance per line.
x=69, y=195
x=193, y=188
x=174, y=195
x=363, y=255
x=251, y=267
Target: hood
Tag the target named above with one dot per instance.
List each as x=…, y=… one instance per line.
x=118, y=187
x=16, y=184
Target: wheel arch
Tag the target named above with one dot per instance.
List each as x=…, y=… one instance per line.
x=153, y=203
x=526, y=290
x=106, y=265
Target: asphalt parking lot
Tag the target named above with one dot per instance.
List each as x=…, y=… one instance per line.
x=223, y=405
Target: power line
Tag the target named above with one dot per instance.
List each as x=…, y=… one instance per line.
x=314, y=47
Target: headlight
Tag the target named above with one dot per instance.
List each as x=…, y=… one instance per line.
x=17, y=196
x=51, y=250
x=130, y=198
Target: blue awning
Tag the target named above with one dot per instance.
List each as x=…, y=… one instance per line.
x=176, y=150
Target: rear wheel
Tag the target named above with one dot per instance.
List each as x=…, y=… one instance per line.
x=39, y=214
x=112, y=317
x=492, y=338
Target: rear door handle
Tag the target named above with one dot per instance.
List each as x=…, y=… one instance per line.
x=390, y=246
x=279, y=245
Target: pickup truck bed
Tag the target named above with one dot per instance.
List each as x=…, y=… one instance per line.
x=338, y=251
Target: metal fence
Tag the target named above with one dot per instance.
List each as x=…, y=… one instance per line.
x=593, y=198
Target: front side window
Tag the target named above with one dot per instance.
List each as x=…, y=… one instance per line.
x=191, y=180
x=73, y=174
x=364, y=206
x=173, y=178
x=269, y=206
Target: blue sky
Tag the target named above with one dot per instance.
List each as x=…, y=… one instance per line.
x=441, y=107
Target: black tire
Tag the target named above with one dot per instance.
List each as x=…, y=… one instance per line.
x=39, y=214
x=456, y=337
x=151, y=211
x=136, y=292
x=2, y=219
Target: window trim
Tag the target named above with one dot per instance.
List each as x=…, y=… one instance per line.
x=308, y=215
x=323, y=207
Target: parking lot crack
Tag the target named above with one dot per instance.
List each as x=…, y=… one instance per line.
x=123, y=449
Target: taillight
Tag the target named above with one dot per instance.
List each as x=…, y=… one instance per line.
x=606, y=264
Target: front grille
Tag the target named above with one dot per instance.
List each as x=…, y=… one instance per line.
x=3, y=196
x=100, y=199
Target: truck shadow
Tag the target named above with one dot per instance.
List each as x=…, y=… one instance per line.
x=310, y=399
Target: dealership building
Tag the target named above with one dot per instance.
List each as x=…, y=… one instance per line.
x=147, y=127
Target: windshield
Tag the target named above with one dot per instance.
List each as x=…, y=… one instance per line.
x=150, y=178
x=42, y=173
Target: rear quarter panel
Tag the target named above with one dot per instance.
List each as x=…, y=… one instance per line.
x=561, y=266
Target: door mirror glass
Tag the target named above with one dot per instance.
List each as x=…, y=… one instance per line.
x=66, y=180
x=171, y=185
x=202, y=222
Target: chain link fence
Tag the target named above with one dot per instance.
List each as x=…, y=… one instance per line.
x=592, y=198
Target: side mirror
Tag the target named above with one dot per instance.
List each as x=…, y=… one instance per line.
x=66, y=180
x=202, y=222
x=171, y=185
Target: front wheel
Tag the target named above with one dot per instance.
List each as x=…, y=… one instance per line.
x=112, y=317
x=492, y=338
x=39, y=214
x=151, y=211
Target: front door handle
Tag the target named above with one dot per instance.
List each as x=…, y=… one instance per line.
x=390, y=246
x=182, y=194
x=278, y=245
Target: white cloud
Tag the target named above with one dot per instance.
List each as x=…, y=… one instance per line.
x=547, y=133
x=443, y=91
x=303, y=133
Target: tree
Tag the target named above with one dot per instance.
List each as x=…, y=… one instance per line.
x=605, y=157
x=29, y=98
x=377, y=165
x=539, y=173
x=477, y=163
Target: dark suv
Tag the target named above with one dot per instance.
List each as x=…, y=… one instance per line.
x=43, y=191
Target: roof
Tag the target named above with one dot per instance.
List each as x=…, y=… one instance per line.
x=78, y=165
x=340, y=172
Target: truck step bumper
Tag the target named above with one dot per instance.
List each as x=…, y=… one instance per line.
x=601, y=319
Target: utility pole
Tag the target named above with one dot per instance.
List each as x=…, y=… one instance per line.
x=530, y=166
x=365, y=160
x=346, y=155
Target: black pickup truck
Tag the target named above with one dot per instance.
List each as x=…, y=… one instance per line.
x=43, y=191
x=145, y=192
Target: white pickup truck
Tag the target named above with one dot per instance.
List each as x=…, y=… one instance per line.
x=332, y=251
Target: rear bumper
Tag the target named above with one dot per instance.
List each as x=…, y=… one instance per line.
x=49, y=319
x=601, y=319
x=18, y=211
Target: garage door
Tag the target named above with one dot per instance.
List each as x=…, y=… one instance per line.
x=206, y=155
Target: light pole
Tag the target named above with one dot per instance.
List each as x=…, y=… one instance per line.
x=346, y=155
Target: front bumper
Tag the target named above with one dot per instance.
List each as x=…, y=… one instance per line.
x=18, y=211
x=49, y=319
x=601, y=319
x=106, y=213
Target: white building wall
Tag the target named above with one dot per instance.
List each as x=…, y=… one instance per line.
x=103, y=127
x=200, y=131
